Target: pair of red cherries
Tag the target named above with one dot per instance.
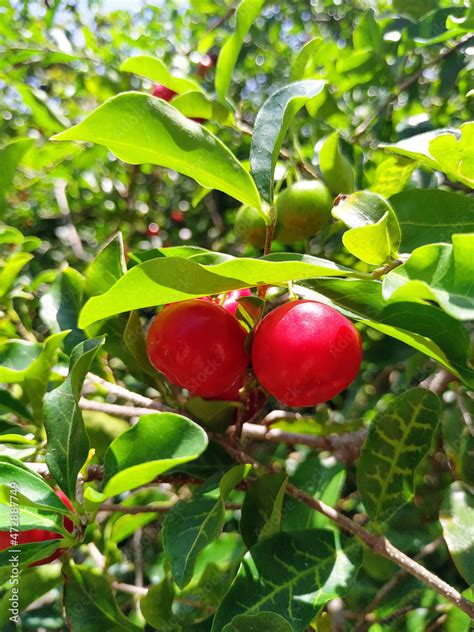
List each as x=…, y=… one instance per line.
x=303, y=352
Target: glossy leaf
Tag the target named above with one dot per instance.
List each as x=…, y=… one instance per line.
x=30, y=553
x=89, y=602
x=198, y=105
x=271, y=125
x=154, y=69
x=68, y=444
x=374, y=234
x=108, y=266
x=293, y=575
x=448, y=150
x=437, y=272
x=262, y=508
x=30, y=485
x=429, y=216
x=170, y=279
x=246, y=13
x=391, y=176
x=139, y=129
x=398, y=440
x=198, y=521
x=457, y=520
x=157, y=443
x=336, y=169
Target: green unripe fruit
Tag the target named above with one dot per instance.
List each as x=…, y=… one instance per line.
x=302, y=209
x=250, y=227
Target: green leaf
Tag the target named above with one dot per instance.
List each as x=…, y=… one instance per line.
x=262, y=508
x=46, y=116
x=398, y=440
x=271, y=125
x=324, y=480
x=458, y=441
x=429, y=216
x=466, y=23
x=198, y=521
x=170, y=279
x=11, y=156
x=9, y=271
x=31, y=585
x=156, y=605
x=457, y=520
x=61, y=303
x=437, y=272
x=245, y=16
x=139, y=129
x=293, y=575
x=258, y=623
x=68, y=444
x=31, y=486
x=336, y=169
x=154, y=69
x=304, y=58
x=30, y=553
x=447, y=150
x=374, y=234
x=198, y=105
x=157, y=443
x=108, y=266
x=424, y=327
x=391, y=176
x=89, y=602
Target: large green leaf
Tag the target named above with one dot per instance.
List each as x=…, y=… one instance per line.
x=157, y=603
x=293, y=575
x=271, y=124
x=170, y=279
x=157, y=443
x=68, y=444
x=447, y=150
x=374, y=234
x=429, y=216
x=246, y=13
x=154, y=69
x=397, y=441
x=457, y=519
x=424, y=327
x=198, y=521
x=336, y=169
x=90, y=604
x=30, y=553
x=392, y=175
x=437, y=272
x=262, y=508
x=139, y=129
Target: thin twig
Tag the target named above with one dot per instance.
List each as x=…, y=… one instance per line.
x=75, y=242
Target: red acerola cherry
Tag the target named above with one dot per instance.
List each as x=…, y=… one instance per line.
x=161, y=91
x=305, y=353
x=198, y=345
x=40, y=535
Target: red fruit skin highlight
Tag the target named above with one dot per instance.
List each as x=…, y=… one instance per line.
x=199, y=346
x=304, y=353
x=41, y=535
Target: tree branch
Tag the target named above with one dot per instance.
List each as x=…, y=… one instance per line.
x=378, y=544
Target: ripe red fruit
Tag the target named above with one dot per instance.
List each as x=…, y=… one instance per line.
x=305, y=352
x=198, y=345
x=161, y=91
x=41, y=535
